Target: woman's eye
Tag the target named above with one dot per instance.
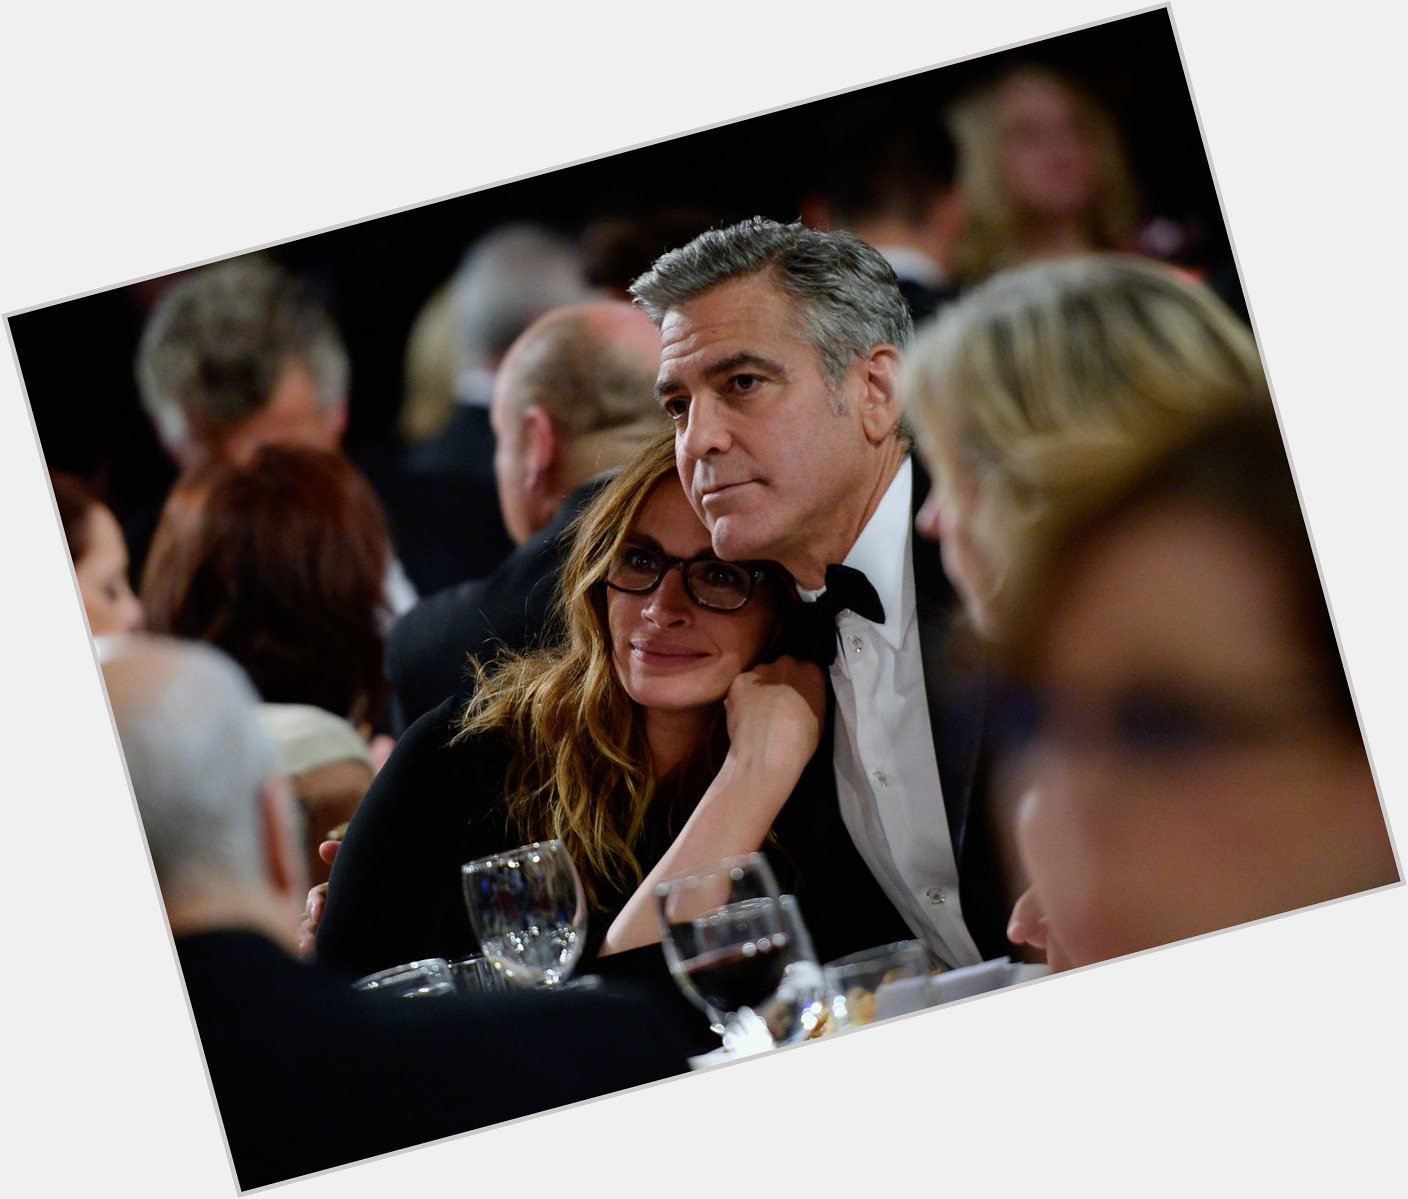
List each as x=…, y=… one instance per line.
x=641, y=560
x=716, y=574
x=1164, y=724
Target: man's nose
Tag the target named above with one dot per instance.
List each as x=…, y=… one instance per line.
x=669, y=603
x=705, y=429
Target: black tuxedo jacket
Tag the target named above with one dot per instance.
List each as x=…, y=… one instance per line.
x=428, y=649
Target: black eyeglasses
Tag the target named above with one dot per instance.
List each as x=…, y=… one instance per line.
x=709, y=583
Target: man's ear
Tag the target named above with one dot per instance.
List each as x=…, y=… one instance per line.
x=880, y=405
x=283, y=841
x=335, y=425
x=541, y=453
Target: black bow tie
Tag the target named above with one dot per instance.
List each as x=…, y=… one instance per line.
x=811, y=632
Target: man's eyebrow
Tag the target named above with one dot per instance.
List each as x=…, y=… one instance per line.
x=666, y=385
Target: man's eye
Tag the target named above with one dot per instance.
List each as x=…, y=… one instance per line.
x=676, y=407
x=745, y=382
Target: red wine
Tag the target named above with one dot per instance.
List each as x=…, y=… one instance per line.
x=738, y=976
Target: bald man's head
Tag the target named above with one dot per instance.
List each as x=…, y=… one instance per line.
x=573, y=397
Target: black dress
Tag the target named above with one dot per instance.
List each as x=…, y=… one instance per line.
x=395, y=895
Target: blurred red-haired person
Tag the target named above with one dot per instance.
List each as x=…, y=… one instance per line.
x=279, y=560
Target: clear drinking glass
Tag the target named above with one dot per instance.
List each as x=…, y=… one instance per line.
x=477, y=975
x=528, y=911
x=731, y=945
x=853, y=982
x=411, y=980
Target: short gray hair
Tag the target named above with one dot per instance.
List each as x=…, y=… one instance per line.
x=197, y=756
x=510, y=277
x=217, y=342
x=843, y=290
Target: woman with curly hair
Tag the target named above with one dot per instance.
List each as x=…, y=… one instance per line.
x=648, y=738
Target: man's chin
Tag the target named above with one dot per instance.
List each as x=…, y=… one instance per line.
x=735, y=538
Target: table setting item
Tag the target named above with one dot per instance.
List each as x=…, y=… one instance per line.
x=740, y=952
x=477, y=975
x=420, y=979
x=967, y=981
x=859, y=983
x=529, y=913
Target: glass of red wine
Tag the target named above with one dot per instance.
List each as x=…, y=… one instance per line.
x=731, y=944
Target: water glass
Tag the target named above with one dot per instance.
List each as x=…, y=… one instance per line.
x=853, y=982
x=528, y=911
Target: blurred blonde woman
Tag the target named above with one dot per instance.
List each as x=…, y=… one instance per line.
x=1043, y=172
x=1045, y=378
x=1181, y=735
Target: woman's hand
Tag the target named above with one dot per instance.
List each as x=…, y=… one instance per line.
x=774, y=726
x=314, y=904
x=775, y=710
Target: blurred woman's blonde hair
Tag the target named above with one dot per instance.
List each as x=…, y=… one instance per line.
x=998, y=234
x=1048, y=377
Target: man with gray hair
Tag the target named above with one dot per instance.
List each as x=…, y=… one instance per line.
x=780, y=354
x=309, y=1074
x=240, y=354
x=573, y=400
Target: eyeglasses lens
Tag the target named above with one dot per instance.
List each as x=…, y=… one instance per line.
x=708, y=582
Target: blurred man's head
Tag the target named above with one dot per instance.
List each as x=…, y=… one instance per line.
x=241, y=355
x=509, y=277
x=780, y=347
x=218, y=817
x=573, y=398
x=890, y=178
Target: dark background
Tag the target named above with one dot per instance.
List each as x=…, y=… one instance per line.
x=76, y=357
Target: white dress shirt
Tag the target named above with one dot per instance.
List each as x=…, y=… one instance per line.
x=887, y=778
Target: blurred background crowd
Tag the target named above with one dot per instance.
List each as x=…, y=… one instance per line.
x=1106, y=152
x=349, y=462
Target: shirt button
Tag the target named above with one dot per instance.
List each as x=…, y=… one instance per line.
x=856, y=643
x=936, y=895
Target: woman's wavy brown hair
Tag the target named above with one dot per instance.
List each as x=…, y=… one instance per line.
x=580, y=768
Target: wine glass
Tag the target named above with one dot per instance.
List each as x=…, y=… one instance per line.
x=730, y=943
x=528, y=911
